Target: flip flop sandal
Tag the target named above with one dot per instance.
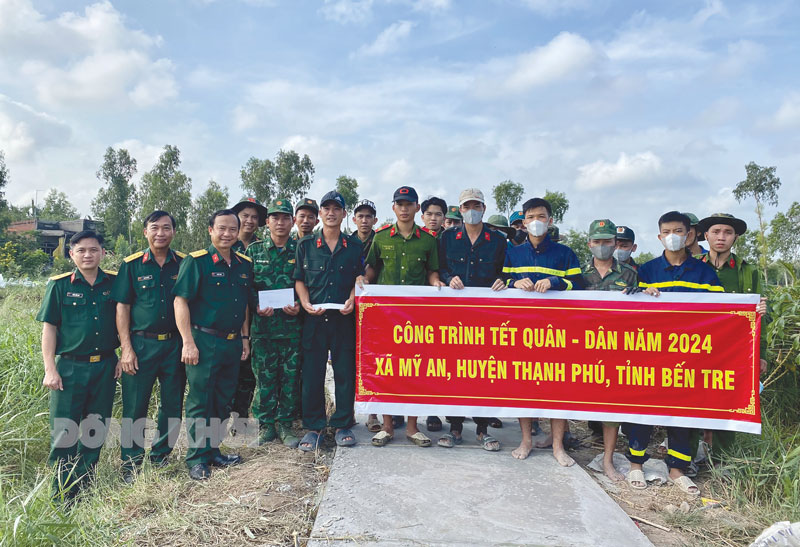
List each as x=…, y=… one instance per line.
x=419, y=439
x=341, y=438
x=373, y=424
x=381, y=438
x=487, y=441
x=636, y=475
x=312, y=439
x=433, y=423
x=448, y=440
x=686, y=484
x=495, y=423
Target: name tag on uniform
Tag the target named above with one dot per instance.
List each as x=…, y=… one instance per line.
x=106, y=293
x=75, y=295
x=144, y=278
x=291, y=261
x=387, y=247
x=243, y=276
x=217, y=274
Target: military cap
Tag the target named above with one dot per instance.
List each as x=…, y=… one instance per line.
x=254, y=203
x=623, y=232
x=693, y=220
x=307, y=203
x=470, y=194
x=453, y=213
x=280, y=205
x=602, y=229
x=405, y=193
x=515, y=216
x=739, y=226
x=500, y=223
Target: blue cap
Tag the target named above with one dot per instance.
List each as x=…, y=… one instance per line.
x=333, y=195
x=515, y=216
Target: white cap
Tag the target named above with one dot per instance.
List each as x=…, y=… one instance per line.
x=470, y=194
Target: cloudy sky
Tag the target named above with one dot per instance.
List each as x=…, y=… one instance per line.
x=631, y=108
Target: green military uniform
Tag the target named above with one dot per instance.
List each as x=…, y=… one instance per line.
x=85, y=318
x=147, y=288
x=218, y=297
x=275, y=339
x=618, y=278
x=329, y=277
x=366, y=245
x=400, y=260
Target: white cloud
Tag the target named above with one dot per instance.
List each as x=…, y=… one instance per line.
x=431, y=5
x=397, y=173
x=551, y=8
x=722, y=111
x=347, y=11
x=24, y=130
x=742, y=55
x=563, y=56
x=87, y=59
x=787, y=116
x=388, y=40
x=640, y=168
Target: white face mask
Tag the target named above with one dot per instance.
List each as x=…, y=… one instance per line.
x=537, y=228
x=622, y=255
x=673, y=242
x=472, y=216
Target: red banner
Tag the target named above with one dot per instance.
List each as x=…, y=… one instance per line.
x=688, y=359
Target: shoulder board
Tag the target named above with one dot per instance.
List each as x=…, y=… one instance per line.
x=180, y=254
x=134, y=256
x=199, y=253
x=240, y=255
x=110, y=272
x=383, y=228
x=60, y=276
x=424, y=231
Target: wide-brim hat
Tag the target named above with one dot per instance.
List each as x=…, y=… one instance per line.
x=739, y=226
x=255, y=204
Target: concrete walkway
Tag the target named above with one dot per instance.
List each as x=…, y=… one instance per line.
x=405, y=495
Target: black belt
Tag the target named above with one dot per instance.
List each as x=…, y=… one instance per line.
x=217, y=333
x=96, y=358
x=154, y=335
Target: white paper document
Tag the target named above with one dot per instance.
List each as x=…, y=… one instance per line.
x=329, y=306
x=276, y=298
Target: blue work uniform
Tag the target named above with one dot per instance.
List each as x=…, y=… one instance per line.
x=691, y=276
x=549, y=260
x=477, y=265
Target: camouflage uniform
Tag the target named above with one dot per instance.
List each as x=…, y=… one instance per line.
x=275, y=339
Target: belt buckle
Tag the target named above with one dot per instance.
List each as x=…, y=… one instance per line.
x=230, y=336
x=163, y=337
x=94, y=358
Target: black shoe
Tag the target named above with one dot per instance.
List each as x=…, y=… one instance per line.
x=159, y=462
x=128, y=475
x=199, y=472
x=226, y=460
x=495, y=423
x=398, y=421
x=433, y=423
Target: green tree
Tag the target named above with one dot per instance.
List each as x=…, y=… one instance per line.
x=559, y=203
x=641, y=258
x=783, y=233
x=762, y=185
x=289, y=176
x=214, y=198
x=115, y=203
x=167, y=188
x=578, y=241
x=4, y=179
x=507, y=195
x=348, y=187
x=58, y=207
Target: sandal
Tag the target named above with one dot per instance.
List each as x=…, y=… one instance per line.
x=419, y=439
x=489, y=443
x=448, y=440
x=636, y=476
x=433, y=423
x=381, y=438
x=686, y=485
x=312, y=440
x=373, y=424
x=345, y=437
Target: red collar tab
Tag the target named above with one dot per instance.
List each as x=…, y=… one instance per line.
x=705, y=258
x=459, y=234
x=319, y=242
x=72, y=278
x=426, y=229
x=732, y=263
x=146, y=257
x=344, y=242
x=487, y=237
x=416, y=233
x=392, y=232
x=215, y=258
